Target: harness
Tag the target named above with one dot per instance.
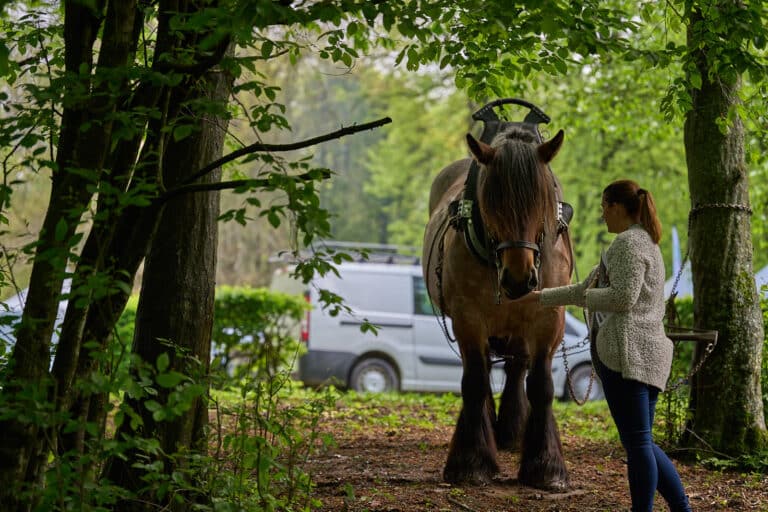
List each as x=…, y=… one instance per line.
x=464, y=213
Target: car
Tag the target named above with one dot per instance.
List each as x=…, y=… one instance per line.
x=11, y=310
x=410, y=351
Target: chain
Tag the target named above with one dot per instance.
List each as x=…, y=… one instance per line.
x=670, y=303
x=585, y=342
x=568, y=379
x=731, y=206
x=685, y=380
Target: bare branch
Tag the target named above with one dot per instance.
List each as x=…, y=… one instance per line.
x=261, y=147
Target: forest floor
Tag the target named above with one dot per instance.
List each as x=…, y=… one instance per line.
x=389, y=456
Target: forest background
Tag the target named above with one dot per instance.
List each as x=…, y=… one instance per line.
x=614, y=125
x=128, y=103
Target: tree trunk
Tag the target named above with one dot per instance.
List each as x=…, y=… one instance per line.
x=175, y=312
x=23, y=446
x=726, y=403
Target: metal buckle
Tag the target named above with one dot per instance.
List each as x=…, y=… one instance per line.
x=465, y=208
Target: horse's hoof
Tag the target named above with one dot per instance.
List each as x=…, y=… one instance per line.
x=469, y=479
x=556, y=485
x=465, y=476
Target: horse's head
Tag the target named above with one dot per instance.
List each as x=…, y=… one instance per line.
x=518, y=203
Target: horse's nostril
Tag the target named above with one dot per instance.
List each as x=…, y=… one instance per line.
x=533, y=281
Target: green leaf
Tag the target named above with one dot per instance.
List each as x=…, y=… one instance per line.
x=182, y=131
x=273, y=219
x=163, y=361
x=170, y=379
x=266, y=49
x=695, y=79
x=5, y=68
x=61, y=230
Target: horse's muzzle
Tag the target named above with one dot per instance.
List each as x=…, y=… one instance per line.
x=514, y=288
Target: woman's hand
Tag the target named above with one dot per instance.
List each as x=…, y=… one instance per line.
x=533, y=297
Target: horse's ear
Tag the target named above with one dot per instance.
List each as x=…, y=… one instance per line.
x=482, y=151
x=549, y=149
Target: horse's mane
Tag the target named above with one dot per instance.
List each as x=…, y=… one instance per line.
x=514, y=189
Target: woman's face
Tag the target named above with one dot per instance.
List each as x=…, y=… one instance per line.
x=613, y=214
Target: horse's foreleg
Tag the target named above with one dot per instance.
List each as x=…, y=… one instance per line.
x=513, y=408
x=542, y=463
x=472, y=455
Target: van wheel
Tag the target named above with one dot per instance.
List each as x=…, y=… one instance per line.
x=580, y=381
x=374, y=375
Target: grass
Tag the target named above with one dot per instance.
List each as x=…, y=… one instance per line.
x=590, y=421
x=427, y=410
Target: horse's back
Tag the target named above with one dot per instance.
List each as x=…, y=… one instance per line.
x=445, y=180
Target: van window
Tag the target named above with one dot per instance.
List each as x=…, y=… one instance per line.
x=421, y=303
x=376, y=291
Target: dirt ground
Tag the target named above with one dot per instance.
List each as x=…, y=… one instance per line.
x=380, y=468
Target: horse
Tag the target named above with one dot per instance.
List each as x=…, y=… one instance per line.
x=518, y=196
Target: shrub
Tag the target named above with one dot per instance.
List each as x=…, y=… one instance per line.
x=255, y=329
x=260, y=433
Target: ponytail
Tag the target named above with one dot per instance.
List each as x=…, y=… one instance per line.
x=638, y=203
x=648, y=218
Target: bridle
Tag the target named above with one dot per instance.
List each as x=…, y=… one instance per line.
x=499, y=249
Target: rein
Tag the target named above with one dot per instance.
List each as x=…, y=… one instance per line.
x=439, y=276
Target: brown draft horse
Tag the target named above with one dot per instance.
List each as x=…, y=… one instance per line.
x=518, y=198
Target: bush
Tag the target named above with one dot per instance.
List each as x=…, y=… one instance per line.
x=255, y=329
x=260, y=433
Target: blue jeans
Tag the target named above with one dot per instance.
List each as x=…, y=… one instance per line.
x=632, y=406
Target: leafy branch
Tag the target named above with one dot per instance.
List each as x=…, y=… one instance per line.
x=261, y=147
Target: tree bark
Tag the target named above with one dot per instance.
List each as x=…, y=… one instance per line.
x=175, y=312
x=725, y=403
x=23, y=449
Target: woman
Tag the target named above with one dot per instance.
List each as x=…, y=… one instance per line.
x=631, y=352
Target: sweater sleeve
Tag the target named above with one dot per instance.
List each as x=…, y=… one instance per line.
x=567, y=295
x=626, y=271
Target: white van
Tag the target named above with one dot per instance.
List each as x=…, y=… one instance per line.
x=410, y=351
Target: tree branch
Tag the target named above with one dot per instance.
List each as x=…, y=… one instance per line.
x=225, y=185
x=260, y=147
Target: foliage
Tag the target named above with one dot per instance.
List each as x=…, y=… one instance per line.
x=255, y=329
x=608, y=106
x=432, y=120
x=265, y=424
x=486, y=54
x=84, y=124
x=265, y=429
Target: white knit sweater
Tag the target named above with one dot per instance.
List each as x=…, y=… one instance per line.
x=631, y=340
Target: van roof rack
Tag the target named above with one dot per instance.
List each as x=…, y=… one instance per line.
x=361, y=252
